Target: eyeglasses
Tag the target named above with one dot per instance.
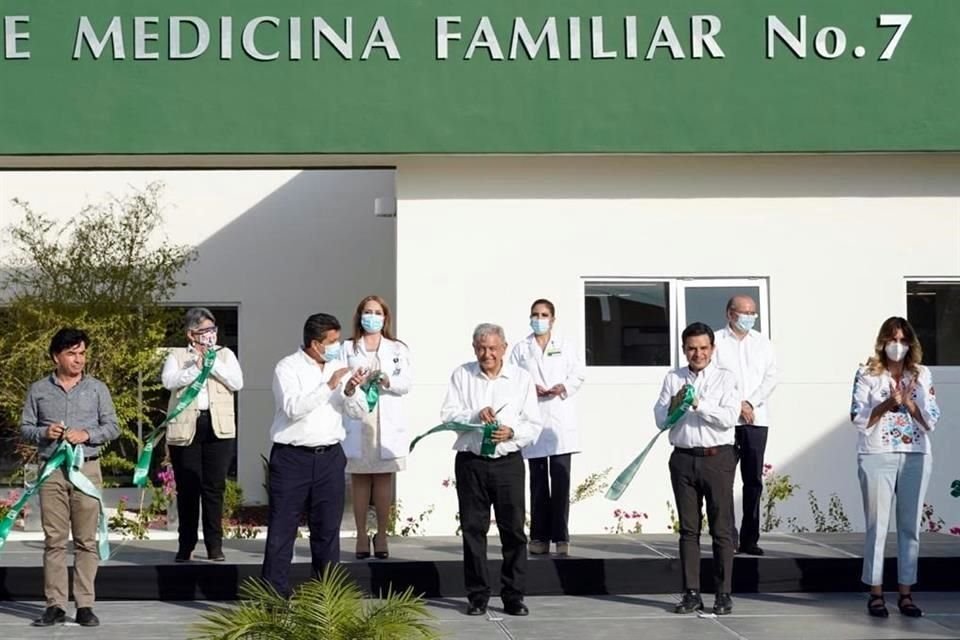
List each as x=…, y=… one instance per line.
x=205, y=331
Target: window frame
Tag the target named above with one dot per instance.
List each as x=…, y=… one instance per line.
x=676, y=285
x=942, y=373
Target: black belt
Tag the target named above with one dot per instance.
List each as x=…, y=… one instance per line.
x=704, y=452
x=471, y=454
x=320, y=449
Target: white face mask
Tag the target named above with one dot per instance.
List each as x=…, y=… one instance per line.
x=896, y=351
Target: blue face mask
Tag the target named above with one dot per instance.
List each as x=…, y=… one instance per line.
x=371, y=322
x=745, y=321
x=540, y=325
x=331, y=352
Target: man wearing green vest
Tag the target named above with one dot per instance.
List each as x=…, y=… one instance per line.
x=76, y=408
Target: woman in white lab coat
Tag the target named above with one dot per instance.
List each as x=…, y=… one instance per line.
x=376, y=447
x=556, y=364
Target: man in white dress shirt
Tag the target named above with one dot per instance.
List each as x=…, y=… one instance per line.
x=307, y=462
x=749, y=355
x=703, y=463
x=482, y=392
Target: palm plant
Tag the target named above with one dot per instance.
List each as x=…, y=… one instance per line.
x=331, y=607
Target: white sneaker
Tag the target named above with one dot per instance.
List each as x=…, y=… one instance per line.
x=538, y=548
x=563, y=549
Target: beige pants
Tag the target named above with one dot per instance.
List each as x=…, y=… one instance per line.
x=63, y=509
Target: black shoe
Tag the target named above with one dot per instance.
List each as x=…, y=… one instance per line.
x=515, y=608
x=380, y=554
x=750, y=551
x=183, y=555
x=476, y=608
x=50, y=617
x=723, y=604
x=216, y=555
x=86, y=618
x=876, y=607
x=691, y=602
x=907, y=607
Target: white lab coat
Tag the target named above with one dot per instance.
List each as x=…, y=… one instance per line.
x=394, y=433
x=560, y=363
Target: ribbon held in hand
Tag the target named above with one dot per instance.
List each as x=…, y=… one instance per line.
x=70, y=458
x=487, y=448
x=623, y=480
x=371, y=389
x=141, y=473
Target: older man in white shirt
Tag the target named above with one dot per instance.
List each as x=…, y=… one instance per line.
x=307, y=462
x=703, y=463
x=749, y=355
x=483, y=392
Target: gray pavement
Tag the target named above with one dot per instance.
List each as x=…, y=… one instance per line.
x=782, y=616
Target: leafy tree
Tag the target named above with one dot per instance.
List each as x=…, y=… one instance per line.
x=109, y=271
x=331, y=607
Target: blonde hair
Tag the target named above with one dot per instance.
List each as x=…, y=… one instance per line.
x=879, y=362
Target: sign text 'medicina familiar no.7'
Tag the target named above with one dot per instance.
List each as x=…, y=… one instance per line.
x=477, y=76
x=268, y=38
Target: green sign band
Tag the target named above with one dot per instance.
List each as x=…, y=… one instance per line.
x=623, y=480
x=141, y=473
x=69, y=458
x=478, y=76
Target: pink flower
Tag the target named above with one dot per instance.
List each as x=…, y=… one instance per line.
x=446, y=482
x=617, y=513
x=955, y=531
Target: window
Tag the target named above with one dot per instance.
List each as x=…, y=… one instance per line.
x=638, y=323
x=933, y=308
x=628, y=324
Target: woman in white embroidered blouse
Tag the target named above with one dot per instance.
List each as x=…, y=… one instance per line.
x=895, y=409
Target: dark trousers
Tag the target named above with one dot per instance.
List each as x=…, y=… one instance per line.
x=200, y=471
x=550, y=498
x=482, y=482
x=303, y=480
x=751, y=445
x=695, y=478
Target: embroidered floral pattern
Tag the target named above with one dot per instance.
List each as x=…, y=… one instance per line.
x=896, y=430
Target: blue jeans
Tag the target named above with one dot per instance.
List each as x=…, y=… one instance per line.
x=883, y=476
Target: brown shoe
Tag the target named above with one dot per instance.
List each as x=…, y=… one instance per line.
x=538, y=548
x=563, y=549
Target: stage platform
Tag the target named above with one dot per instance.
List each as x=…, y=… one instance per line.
x=598, y=565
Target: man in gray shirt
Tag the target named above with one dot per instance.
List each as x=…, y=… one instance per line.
x=76, y=408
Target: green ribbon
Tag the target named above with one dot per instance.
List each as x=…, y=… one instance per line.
x=71, y=457
x=623, y=480
x=141, y=473
x=371, y=389
x=487, y=448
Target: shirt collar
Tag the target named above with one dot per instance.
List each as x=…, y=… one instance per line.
x=56, y=383
x=305, y=359
x=505, y=371
x=706, y=371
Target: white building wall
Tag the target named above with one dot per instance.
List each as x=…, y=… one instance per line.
x=480, y=238
x=477, y=239
x=281, y=244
